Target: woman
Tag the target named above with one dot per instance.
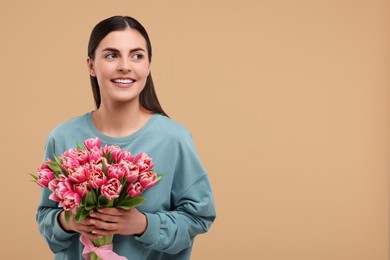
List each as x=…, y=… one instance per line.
x=129, y=115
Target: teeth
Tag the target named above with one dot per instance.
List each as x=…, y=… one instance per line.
x=123, y=81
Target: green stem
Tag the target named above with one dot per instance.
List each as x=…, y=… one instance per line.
x=105, y=240
x=93, y=256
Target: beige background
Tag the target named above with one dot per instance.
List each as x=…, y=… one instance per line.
x=288, y=103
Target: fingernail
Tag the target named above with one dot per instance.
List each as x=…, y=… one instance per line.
x=92, y=222
x=92, y=214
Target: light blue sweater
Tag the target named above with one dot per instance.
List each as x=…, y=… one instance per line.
x=178, y=208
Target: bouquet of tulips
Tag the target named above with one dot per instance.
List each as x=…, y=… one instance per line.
x=91, y=177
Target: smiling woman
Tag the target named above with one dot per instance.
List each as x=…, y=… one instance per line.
x=129, y=115
x=121, y=67
x=148, y=97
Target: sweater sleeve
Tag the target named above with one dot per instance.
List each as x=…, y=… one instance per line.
x=173, y=231
x=193, y=209
x=47, y=215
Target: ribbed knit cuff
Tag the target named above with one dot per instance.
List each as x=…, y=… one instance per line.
x=152, y=230
x=60, y=233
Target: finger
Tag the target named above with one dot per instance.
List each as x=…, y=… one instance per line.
x=91, y=235
x=86, y=228
x=86, y=222
x=103, y=225
x=101, y=232
x=112, y=211
x=74, y=211
x=104, y=217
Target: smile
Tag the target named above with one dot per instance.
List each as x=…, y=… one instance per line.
x=123, y=81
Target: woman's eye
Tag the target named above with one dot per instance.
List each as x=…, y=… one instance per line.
x=137, y=56
x=110, y=56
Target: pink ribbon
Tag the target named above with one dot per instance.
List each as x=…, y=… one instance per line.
x=104, y=252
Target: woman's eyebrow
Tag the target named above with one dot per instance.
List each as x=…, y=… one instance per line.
x=116, y=50
x=110, y=49
x=137, y=49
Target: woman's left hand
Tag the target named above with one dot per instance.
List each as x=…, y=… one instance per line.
x=110, y=221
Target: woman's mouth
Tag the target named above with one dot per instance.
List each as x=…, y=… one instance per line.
x=123, y=81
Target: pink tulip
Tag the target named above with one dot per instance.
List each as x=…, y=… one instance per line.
x=45, y=175
x=144, y=162
x=92, y=143
x=55, y=197
x=78, y=174
x=135, y=189
x=96, y=177
x=127, y=156
x=70, y=200
x=64, y=185
x=69, y=163
x=147, y=179
x=53, y=184
x=117, y=171
x=116, y=152
x=60, y=187
x=44, y=165
x=95, y=154
x=81, y=188
x=80, y=155
x=111, y=189
x=133, y=172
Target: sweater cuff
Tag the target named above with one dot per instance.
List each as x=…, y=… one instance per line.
x=152, y=231
x=60, y=233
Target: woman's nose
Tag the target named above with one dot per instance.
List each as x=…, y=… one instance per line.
x=124, y=65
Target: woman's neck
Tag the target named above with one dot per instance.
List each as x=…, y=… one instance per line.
x=120, y=120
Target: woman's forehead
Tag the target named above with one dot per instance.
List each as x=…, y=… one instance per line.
x=123, y=39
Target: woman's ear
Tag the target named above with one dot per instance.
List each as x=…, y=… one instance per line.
x=90, y=67
x=150, y=67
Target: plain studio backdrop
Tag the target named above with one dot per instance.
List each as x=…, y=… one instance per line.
x=287, y=102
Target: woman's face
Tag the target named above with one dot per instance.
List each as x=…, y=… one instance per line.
x=121, y=66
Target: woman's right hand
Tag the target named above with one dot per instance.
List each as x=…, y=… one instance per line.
x=84, y=227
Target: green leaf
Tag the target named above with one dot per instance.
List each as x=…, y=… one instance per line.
x=123, y=193
x=82, y=213
x=159, y=177
x=89, y=207
x=68, y=215
x=108, y=156
x=35, y=177
x=57, y=159
x=104, y=167
x=104, y=202
x=90, y=200
x=130, y=202
x=78, y=147
x=54, y=166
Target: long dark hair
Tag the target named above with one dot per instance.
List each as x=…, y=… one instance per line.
x=148, y=97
